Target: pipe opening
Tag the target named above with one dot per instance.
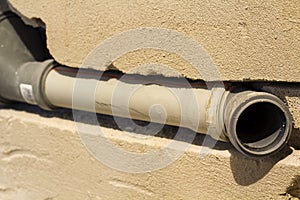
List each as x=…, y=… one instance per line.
x=261, y=126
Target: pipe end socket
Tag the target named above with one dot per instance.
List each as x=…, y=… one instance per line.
x=257, y=123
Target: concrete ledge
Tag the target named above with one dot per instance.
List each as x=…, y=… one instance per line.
x=42, y=157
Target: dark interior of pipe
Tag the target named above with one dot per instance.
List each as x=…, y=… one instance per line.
x=261, y=125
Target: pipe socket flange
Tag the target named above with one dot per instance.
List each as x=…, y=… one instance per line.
x=257, y=123
x=32, y=77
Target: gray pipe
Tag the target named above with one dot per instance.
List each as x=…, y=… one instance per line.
x=23, y=61
x=256, y=123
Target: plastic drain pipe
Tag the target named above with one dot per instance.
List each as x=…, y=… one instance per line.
x=256, y=123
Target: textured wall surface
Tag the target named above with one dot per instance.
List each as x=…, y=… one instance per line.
x=42, y=157
x=258, y=40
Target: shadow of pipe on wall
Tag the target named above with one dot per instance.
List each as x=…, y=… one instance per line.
x=252, y=170
x=249, y=171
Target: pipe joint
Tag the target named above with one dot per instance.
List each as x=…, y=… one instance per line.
x=32, y=77
x=24, y=62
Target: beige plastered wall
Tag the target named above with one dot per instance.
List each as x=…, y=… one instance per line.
x=257, y=40
x=43, y=157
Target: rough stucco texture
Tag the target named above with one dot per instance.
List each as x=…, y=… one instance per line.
x=257, y=40
x=42, y=157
